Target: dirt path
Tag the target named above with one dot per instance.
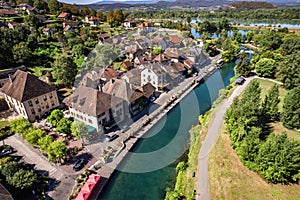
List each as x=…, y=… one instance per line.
x=210, y=140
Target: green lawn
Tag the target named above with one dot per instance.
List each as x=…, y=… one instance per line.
x=266, y=86
x=230, y=179
x=4, y=123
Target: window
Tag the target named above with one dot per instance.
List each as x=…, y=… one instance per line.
x=50, y=96
x=90, y=121
x=154, y=82
x=39, y=108
x=30, y=103
x=47, y=105
x=45, y=98
x=36, y=100
x=32, y=111
x=52, y=103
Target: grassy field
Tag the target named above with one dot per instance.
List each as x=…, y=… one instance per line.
x=230, y=179
x=266, y=86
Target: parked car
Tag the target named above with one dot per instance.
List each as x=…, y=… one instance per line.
x=152, y=99
x=111, y=138
x=6, y=152
x=79, y=164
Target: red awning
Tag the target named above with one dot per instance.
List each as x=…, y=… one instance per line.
x=88, y=187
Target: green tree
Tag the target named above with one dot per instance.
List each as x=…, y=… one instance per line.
x=157, y=50
x=55, y=116
x=57, y=150
x=278, y=159
x=77, y=50
x=271, y=40
x=85, y=11
x=65, y=70
x=31, y=20
x=291, y=109
x=270, y=105
x=291, y=44
x=53, y=6
x=45, y=142
x=23, y=179
x=288, y=71
x=266, y=67
x=19, y=126
x=249, y=147
x=243, y=114
x=243, y=67
x=33, y=135
x=64, y=126
x=10, y=169
x=22, y=52
x=4, y=161
x=230, y=50
x=39, y=4
x=79, y=129
x=93, y=12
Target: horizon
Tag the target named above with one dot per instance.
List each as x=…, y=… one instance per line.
x=86, y=2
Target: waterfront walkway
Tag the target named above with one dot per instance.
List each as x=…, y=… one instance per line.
x=137, y=130
x=212, y=136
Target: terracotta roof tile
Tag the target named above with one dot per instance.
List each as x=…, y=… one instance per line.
x=175, y=39
x=25, y=86
x=121, y=89
x=91, y=101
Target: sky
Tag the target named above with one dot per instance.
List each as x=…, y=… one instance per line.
x=92, y=1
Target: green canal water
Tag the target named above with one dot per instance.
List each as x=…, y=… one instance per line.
x=150, y=167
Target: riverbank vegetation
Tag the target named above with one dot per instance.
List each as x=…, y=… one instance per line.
x=258, y=14
x=186, y=180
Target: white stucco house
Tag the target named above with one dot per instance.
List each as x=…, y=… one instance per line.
x=95, y=108
x=155, y=74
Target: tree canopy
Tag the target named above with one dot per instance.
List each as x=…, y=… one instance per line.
x=65, y=70
x=55, y=116
x=266, y=67
x=291, y=109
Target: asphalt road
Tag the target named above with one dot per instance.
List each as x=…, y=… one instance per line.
x=209, y=142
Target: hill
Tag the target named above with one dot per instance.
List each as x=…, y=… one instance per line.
x=249, y=5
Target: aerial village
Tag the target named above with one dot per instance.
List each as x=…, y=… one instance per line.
x=108, y=99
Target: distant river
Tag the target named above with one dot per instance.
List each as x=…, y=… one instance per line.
x=267, y=22
x=170, y=137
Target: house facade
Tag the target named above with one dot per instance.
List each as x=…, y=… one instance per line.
x=29, y=96
x=95, y=108
x=155, y=74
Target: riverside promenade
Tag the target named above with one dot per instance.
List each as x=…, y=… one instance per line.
x=167, y=102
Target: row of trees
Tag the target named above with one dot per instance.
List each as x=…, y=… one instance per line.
x=56, y=150
x=65, y=126
x=213, y=27
x=262, y=14
x=275, y=157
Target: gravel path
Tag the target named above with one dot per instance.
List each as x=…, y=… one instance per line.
x=211, y=138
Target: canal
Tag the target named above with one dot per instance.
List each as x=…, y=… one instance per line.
x=150, y=168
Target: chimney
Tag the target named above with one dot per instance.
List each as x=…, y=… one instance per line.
x=10, y=77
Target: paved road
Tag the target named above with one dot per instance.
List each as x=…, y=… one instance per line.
x=29, y=154
x=211, y=138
